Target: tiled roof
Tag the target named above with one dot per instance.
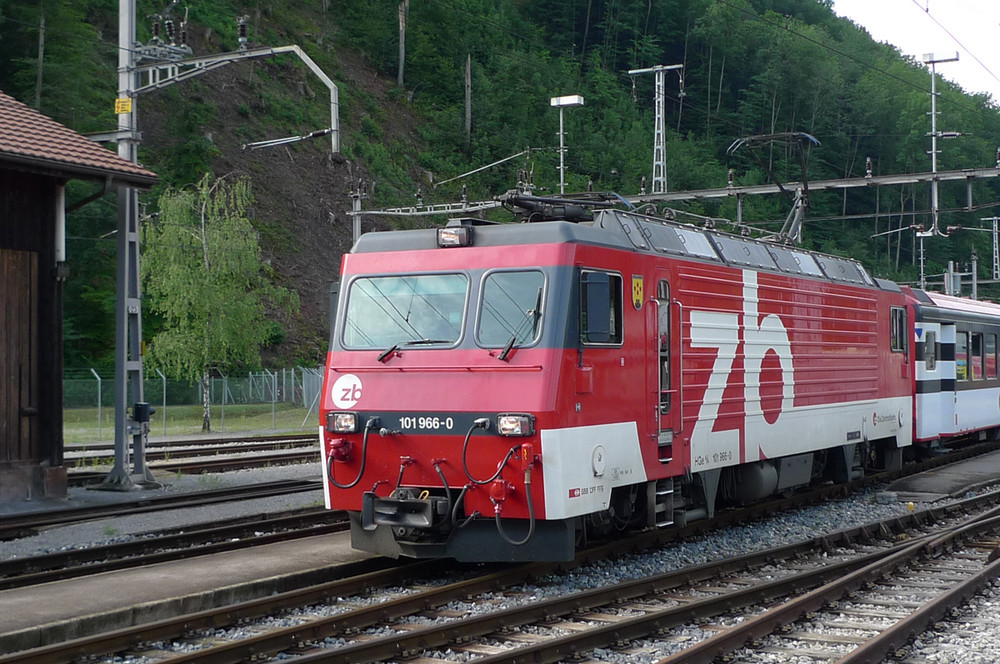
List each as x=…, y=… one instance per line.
x=30, y=139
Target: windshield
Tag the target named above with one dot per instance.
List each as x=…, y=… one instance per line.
x=424, y=308
x=511, y=308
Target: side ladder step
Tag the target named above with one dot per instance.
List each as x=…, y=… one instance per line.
x=663, y=505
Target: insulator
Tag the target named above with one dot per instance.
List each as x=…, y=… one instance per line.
x=242, y=21
x=169, y=25
x=184, y=33
x=156, y=36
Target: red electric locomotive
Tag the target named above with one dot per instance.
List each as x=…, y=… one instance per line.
x=505, y=391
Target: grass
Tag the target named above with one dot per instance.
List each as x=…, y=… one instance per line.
x=80, y=424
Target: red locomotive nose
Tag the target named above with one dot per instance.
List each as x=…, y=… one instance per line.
x=340, y=449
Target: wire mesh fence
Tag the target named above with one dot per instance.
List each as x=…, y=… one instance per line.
x=262, y=401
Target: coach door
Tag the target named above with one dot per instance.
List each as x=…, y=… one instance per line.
x=951, y=365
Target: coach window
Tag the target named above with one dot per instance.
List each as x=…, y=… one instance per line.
x=898, y=332
x=976, y=356
x=991, y=356
x=962, y=356
x=600, y=307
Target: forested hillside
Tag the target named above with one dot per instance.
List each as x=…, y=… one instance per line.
x=750, y=67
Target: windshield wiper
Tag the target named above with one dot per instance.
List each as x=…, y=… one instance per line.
x=534, y=315
x=387, y=352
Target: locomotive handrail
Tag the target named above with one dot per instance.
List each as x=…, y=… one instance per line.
x=680, y=363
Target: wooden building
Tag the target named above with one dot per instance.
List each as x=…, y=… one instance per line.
x=37, y=157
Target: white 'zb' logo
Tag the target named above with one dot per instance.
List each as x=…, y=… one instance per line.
x=346, y=391
x=711, y=447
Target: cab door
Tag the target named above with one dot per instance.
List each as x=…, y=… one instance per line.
x=666, y=396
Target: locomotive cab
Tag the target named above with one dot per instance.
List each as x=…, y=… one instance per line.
x=439, y=378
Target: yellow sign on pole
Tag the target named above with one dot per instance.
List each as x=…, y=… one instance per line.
x=123, y=105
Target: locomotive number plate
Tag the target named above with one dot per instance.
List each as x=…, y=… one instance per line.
x=425, y=423
x=443, y=423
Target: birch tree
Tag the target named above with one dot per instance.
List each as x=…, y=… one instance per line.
x=203, y=274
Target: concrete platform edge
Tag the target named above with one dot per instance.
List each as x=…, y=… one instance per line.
x=128, y=616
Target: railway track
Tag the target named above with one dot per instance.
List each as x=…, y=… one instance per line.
x=869, y=613
x=159, y=547
x=336, y=634
x=21, y=525
x=426, y=621
x=195, y=457
x=88, y=455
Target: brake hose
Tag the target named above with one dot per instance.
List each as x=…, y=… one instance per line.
x=481, y=423
x=531, y=515
x=369, y=425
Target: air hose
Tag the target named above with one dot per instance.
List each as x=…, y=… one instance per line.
x=482, y=423
x=531, y=514
x=369, y=425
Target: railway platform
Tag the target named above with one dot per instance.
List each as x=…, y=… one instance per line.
x=61, y=610
x=952, y=480
x=51, y=612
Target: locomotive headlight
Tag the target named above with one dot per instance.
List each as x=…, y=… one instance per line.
x=342, y=422
x=511, y=424
x=454, y=236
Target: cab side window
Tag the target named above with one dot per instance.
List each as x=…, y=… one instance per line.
x=600, y=307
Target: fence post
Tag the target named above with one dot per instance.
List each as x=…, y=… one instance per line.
x=100, y=433
x=163, y=380
x=225, y=393
x=295, y=385
x=317, y=387
x=274, y=399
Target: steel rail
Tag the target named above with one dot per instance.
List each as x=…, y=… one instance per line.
x=461, y=631
x=903, y=632
x=215, y=465
x=91, y=456
x=197, y=440
x=346, y=623
x=21, y=572
x=20, y=524
x=551, y=650
x=353, y=578
x=161, y=630
x=725, y=642
x=353, y=621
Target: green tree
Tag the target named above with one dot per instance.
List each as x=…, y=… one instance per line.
x=203, y=273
